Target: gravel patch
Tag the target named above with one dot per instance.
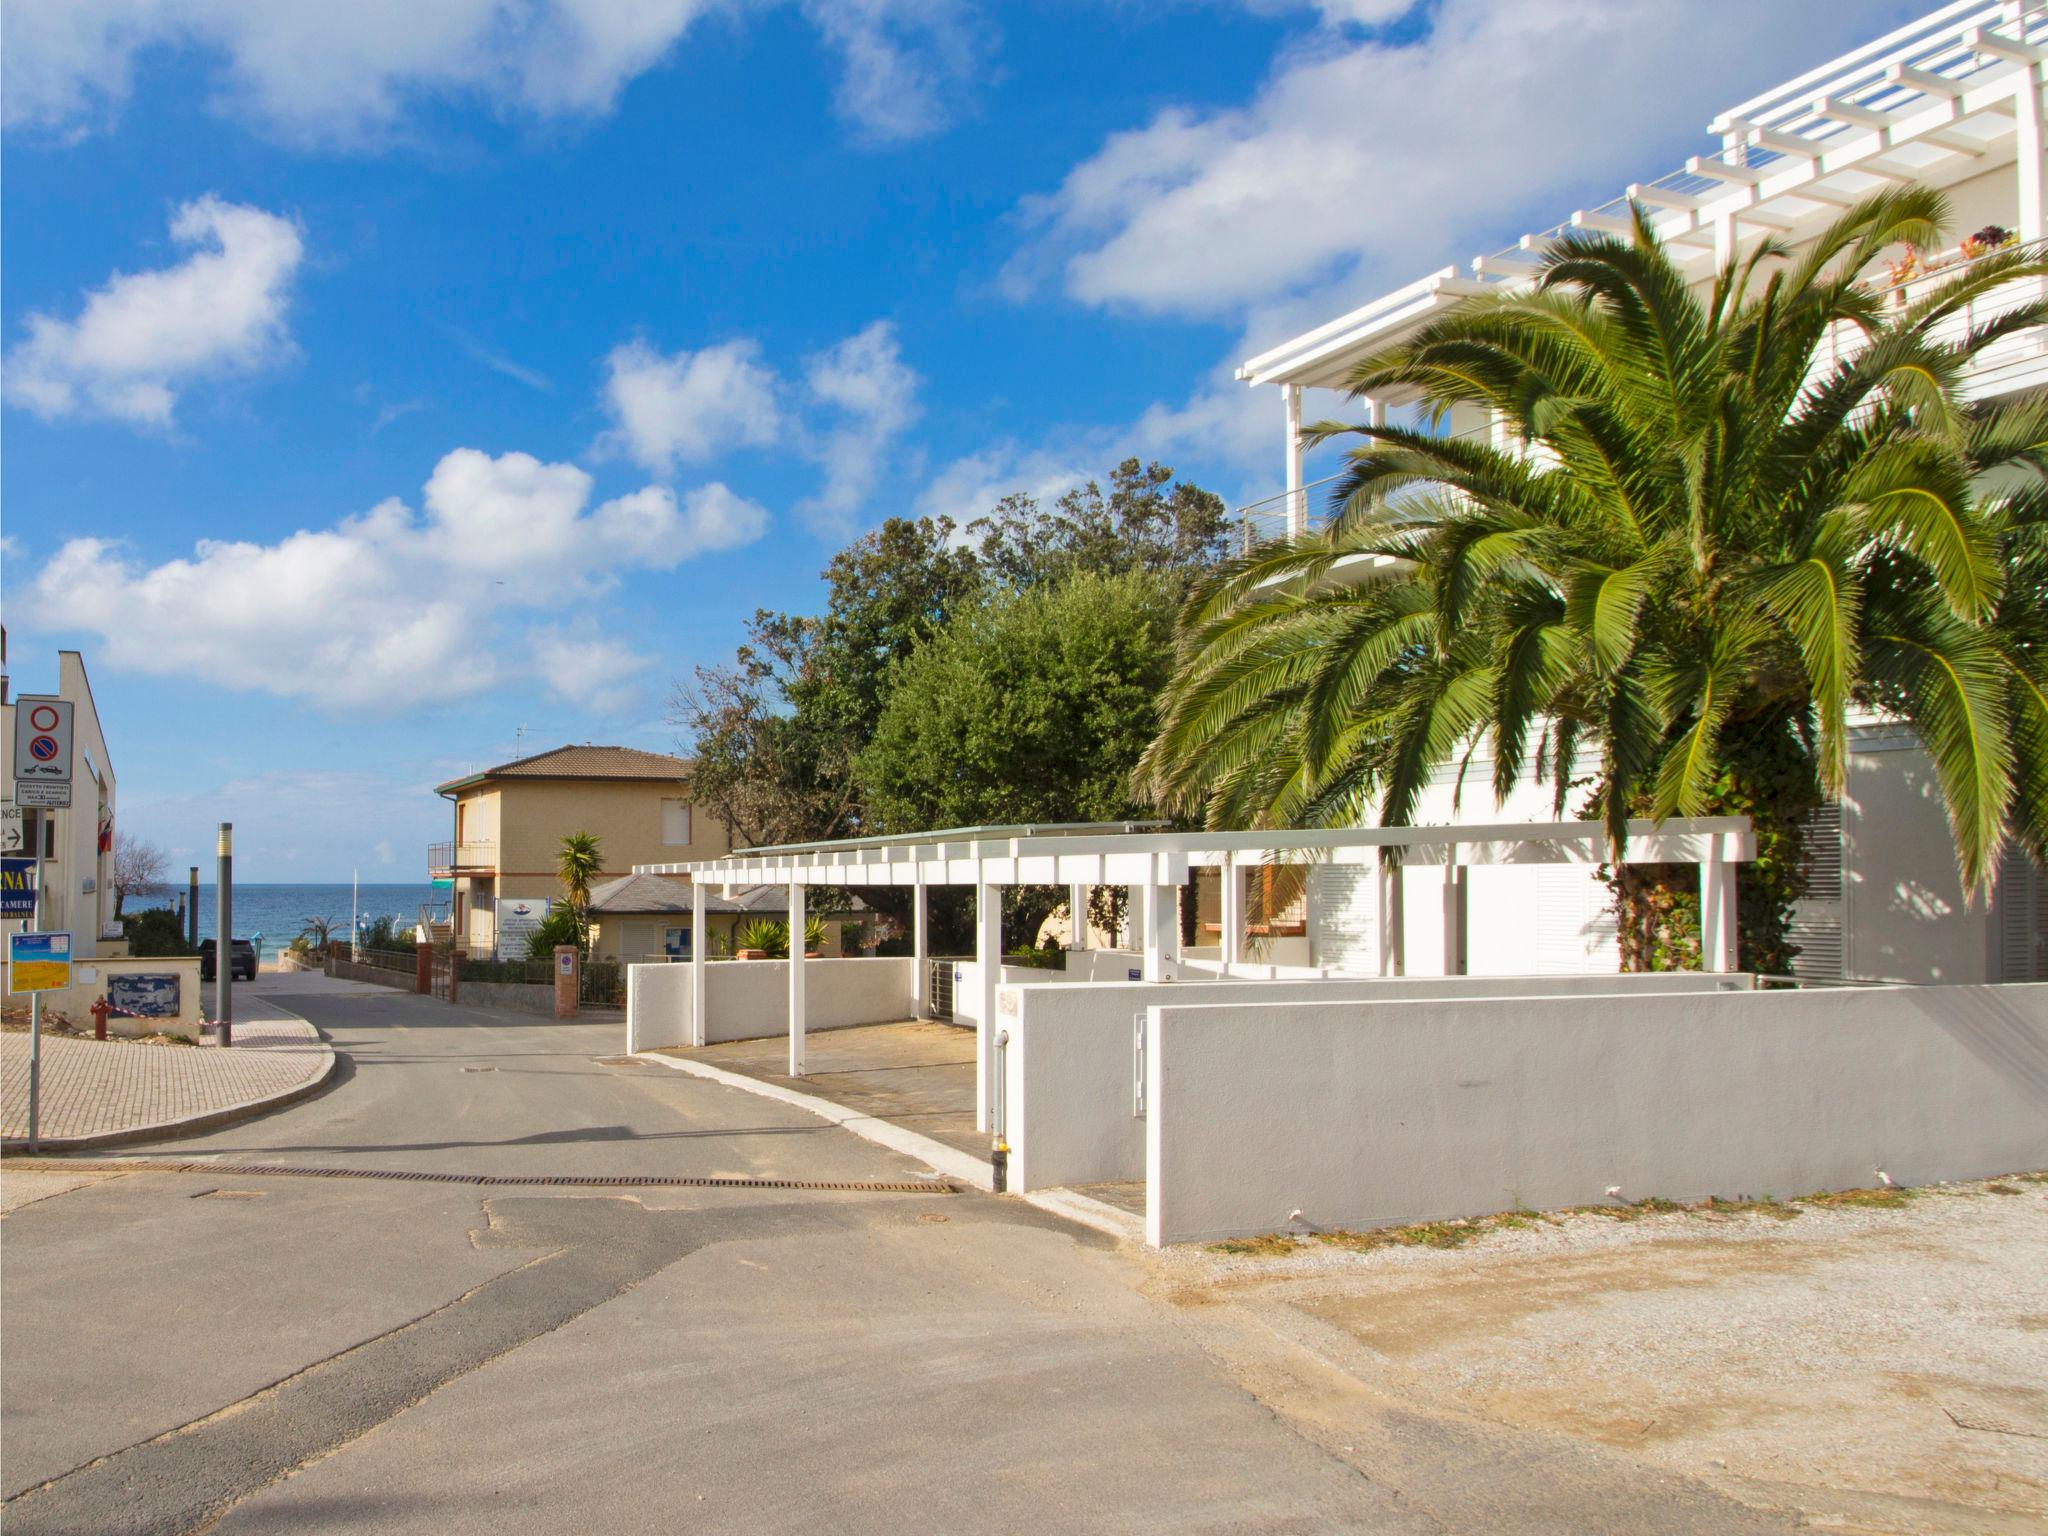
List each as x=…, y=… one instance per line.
x=1899, y=1355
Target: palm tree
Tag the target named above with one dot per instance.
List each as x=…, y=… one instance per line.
x=1712, y=545
x=581, y=860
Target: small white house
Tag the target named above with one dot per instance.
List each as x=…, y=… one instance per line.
x=1954, y=101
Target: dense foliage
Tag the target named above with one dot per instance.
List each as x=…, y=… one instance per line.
x=1720, y=541
x=785, y=738
x=155, y=931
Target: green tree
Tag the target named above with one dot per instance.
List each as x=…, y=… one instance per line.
x=580, y=861
x=1032, y=707
x=1721, y=542
x=559, y=926
x=1146, y=521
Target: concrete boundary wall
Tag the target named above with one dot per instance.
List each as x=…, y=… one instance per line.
x=749, y=999
x=1069, y=1070
x=1374, y=1114
x=350, y=970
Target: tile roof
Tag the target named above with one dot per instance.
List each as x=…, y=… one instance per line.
x=584, y=762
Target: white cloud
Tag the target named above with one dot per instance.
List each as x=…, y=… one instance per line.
x=902, y=61
x=1361, y=162
x=144, y=335
x=970, y=486
x=348, y=73
x=865, y=379
x=847, y=415
x=690, y=406
x=580, y=667
x=391, y=606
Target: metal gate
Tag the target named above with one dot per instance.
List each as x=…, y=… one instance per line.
x=445, y=974
x=939, y=989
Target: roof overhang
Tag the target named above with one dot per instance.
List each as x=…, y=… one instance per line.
x=1164, y=858
x=1930, y=104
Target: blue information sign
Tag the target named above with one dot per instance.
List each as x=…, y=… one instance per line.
x=17, y=887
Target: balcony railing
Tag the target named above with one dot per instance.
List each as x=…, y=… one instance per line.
x=445, y=859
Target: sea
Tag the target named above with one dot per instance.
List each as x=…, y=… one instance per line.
x=279, y=913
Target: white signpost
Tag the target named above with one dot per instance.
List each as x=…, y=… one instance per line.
x=42, y=752
x=42, y=778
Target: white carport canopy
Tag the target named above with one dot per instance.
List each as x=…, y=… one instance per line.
x=1153, y=863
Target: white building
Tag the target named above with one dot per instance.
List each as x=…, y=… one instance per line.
x=1953, y=101
x=77, y=844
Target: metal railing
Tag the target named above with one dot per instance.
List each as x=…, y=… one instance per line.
x=446, y=858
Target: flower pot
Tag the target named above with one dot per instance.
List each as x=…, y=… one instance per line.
x=751, y=954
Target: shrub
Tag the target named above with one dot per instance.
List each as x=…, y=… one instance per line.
x=766, y=935
x=155, y=931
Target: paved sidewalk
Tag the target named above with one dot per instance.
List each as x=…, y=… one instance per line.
x=95, y=1089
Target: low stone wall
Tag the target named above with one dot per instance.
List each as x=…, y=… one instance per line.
x=349, y=970
x=521, y=996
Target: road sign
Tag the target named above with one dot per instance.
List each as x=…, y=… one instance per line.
x=38, y=962
x=13, y=831
x=17, y=887
x=42, y=751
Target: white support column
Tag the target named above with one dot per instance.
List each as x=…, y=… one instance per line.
x=1452, y=940
x=1231, y=939
x=988, y=957
x=1297, y=499
x=1375, y=413
x=700, y=944
x=1393, y=920
x=2032, y=152
x=1717, y=910
x=920, y=955
x=1077, y=917
x=1156, y=920
x=796, y=980
x=1134, y=917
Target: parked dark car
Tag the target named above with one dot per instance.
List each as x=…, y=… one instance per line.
x=243, y=966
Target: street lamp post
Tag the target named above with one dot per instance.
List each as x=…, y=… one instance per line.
x=224, y=933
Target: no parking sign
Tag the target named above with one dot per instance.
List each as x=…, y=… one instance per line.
x=42, y=751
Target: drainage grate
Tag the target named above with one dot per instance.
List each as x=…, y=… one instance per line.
x=505, y=1180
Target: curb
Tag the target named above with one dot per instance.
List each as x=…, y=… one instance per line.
x=950, y=1161
x=190, y=1125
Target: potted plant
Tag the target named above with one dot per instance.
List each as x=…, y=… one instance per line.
x=764, y=939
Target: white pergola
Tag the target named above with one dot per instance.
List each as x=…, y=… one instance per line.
x=1153, y=865
x=1946, y=98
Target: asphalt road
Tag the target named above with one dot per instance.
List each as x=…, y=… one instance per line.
x=223, y=1351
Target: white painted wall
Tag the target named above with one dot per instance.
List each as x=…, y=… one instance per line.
x=749, y=999
x=1069, y=1065
x=1370, y=1114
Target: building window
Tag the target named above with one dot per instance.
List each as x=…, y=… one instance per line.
x=676, y=942
x=675, y=823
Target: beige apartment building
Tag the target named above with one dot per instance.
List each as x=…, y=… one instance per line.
x=509, y=822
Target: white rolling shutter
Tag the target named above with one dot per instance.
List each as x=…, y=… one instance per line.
x=1343, y=917
x=2020, y=911
x=1820, y=920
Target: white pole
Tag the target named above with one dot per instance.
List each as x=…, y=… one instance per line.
x=988, y=958
x=1297, y=502
x=796, y=980
x=1451, y=914
x=700, y=944
x=1717, y=910
x=1232, y=936
x=920, y=951
x=2028, y=141
x=355, y=919
x=35, y=1003
x=1077, y=908
x=1155, y=923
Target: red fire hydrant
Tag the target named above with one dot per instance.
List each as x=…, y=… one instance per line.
x=99, y=1018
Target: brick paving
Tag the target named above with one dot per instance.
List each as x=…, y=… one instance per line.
x=93, y=1087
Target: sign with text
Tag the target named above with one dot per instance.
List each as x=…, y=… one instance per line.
x=518, y=916
x=38, y=962
x=17, y=887
x=145, y=995
x=13, y=831
x=42, y=751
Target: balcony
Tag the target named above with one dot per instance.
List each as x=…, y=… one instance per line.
x=446, y=860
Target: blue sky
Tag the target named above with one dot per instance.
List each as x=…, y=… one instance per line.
x=382, y=379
